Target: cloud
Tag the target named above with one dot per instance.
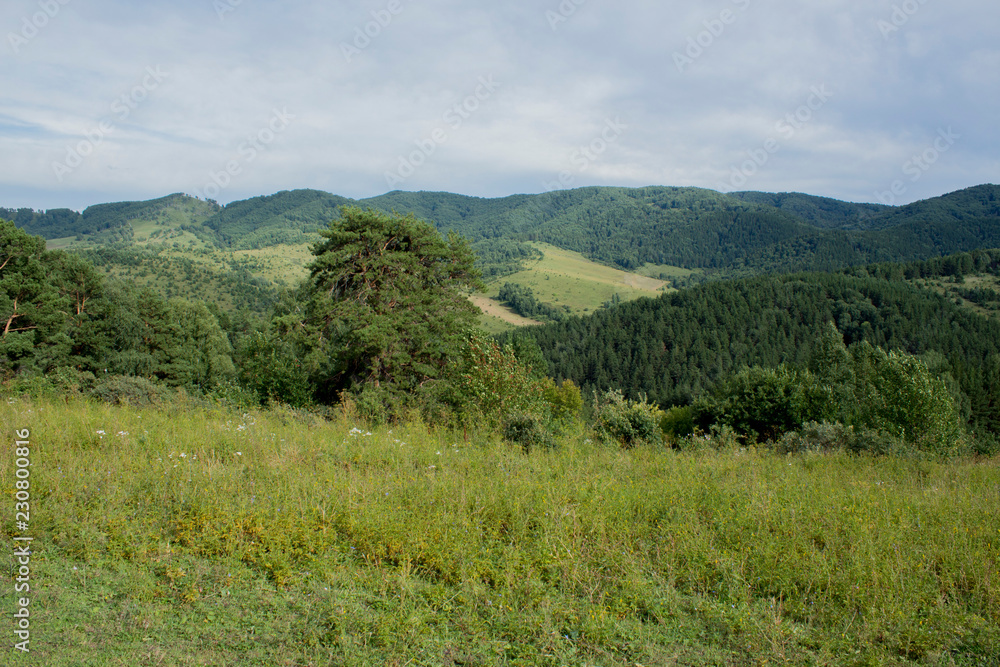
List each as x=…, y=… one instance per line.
x=368, y=84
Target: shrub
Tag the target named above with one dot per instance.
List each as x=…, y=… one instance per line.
x=678, y=421
x=826, y=437
x=128, y=390
x=626, y=422
x=764, y=403
x=527, y=430
x=896, y=394
x=270, y=369
x=491, y=384
x=565, y=400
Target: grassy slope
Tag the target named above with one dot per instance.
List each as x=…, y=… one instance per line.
x=189, y=537
x=954, y=290
x=564, y=278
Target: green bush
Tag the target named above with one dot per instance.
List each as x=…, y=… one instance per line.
x=626, y=422
x=827, y=437
x=269, y=368
x=678, y=421
x=896, y=394
x=765, y=403
x=527, y=430
x=491, y=384
x=565, y=400
x=128, y=390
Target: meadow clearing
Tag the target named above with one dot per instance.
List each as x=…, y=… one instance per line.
x=194, y=535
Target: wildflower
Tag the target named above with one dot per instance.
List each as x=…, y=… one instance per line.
x=239, y=453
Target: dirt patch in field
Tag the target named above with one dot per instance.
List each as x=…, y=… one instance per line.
x=491, y=307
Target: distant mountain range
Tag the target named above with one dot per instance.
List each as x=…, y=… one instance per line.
x=736, y=234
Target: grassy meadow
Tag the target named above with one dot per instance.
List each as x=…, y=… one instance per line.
x=184, y=535
x=567, y=279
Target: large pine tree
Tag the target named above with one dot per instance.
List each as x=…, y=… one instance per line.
x=385, y=304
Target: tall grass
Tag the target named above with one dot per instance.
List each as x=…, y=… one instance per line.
x=343, y=544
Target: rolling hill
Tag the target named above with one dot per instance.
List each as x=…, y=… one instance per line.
x=681, y=235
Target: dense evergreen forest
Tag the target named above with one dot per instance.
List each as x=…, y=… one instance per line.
x=676, y=347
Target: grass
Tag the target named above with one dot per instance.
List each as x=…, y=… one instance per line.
x=566, y=278
x=569, y=280
x=190, y=536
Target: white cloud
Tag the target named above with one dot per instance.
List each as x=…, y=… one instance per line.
x=354, y=118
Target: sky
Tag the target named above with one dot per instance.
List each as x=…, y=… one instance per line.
x=886, y=101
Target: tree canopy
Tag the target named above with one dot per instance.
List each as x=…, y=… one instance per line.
x=385, y=303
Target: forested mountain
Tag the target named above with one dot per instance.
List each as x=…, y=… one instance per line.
x=821, y=212
x=675, y=347
x=738, y=234
x=62, y=222
x=287, y=217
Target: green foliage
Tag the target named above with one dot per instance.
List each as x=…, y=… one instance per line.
x=128, y=390
x=196, y=350
x=565, y=400
x=528, y=430
x=491, y=384
x=287, y=217
x=234, y=283
x=896, y=394
x=61, y=319
x=626, y=422
x=269, y=368
x=385, y=304
x=830, y=437
x=522, y=301
x=680, y=345
x=764, y=403
x=891, y=393
x=678, y=421
x=891, y=398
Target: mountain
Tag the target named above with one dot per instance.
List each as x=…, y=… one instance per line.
x=744, y=233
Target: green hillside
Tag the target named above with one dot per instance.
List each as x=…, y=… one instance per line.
x=626, y=227
x=682, y=235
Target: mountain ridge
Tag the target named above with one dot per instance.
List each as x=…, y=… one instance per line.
x=735, y=234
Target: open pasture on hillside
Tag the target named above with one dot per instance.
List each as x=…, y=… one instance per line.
x=571, y=282
x=192, y=535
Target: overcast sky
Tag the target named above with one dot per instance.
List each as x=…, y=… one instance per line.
x=104, y=100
